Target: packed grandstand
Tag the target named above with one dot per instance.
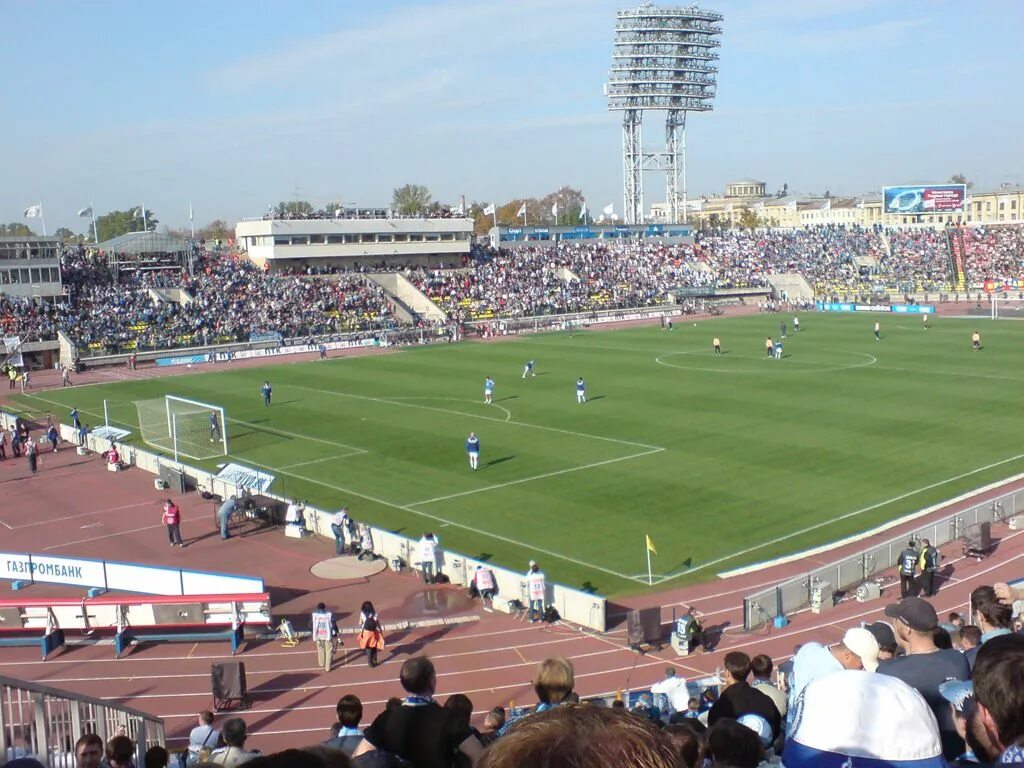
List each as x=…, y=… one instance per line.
x=228, y=299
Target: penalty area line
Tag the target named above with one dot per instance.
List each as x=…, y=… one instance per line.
x=535, y=477
x=437, y=518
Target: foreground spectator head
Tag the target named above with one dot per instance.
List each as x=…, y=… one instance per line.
x=462, y=706
x=350, y=711
x=120, y=751
x=916, y=621
x=495, y=719
x=234, y=732
x=849, y=714
x=418, y=676
x=737, y=666
x=761, y=665
x=988, y=612
x=970, y=637
x=205, y=717
x=960, y=695
x=89, y=751
x=157, y=757
x=734, y=745
x=999, y=693
x=759, y=726
x=582, y=736
x=886, y=638
x=554, y=681
x=859, y=650
x=689, y=742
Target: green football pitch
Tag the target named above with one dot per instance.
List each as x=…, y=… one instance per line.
x=722, y=460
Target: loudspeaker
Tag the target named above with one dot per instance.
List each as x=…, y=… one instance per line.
x=978, y=536
x=643, y=626
x=227, y=683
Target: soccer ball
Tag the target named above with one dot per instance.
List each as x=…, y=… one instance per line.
x=189, y=365
x=694, y=325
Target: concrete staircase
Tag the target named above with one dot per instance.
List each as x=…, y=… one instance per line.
x=408, y=296
x=793, y=283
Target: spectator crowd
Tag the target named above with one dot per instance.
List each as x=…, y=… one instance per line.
x=913, y=691
x=227, y=298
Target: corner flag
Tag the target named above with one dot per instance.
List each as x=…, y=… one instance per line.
x=650, y=550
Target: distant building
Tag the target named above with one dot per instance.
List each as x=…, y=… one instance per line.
x=280, y=244
x=745, y=188
x=30, y=267
x=1002, y=206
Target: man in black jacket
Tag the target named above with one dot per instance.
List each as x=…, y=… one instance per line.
x=739, y=698
x=907, y=564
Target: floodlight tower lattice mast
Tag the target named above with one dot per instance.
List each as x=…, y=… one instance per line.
x=663, y=59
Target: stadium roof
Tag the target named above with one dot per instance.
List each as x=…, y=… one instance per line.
x=144, y=242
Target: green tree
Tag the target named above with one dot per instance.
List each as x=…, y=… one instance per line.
x=64, y=234
x=410, y=200
x=293, y=208
x=569, y=200
x=117, y=223
x=17, y=229
x=748, y=219
x=218, y=229
x=718, y=222
x=959, y=178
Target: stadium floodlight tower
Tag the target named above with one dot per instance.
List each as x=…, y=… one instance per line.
x=663, y=60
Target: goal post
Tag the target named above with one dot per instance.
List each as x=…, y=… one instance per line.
x=183, y=427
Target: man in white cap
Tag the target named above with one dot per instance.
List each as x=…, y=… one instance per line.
x=856, y=718
x=858, y=650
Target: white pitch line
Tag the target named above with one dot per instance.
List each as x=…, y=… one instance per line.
x=318, y=461
x=439, y=519
x=535, y=477
x=508, y=413
x=848, y=515
x=387, y=401
x=272, y=430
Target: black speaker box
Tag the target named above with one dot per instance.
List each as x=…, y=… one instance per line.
x=643, y=626
x=227, y=683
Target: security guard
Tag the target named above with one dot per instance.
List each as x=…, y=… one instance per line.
x=908, y=567
x=929, y=564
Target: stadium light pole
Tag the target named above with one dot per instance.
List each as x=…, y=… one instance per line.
x=663, y=59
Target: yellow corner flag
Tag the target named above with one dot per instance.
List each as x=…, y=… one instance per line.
x=650, y=545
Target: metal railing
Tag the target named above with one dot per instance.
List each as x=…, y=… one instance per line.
x=761, y=607
x=45, y=723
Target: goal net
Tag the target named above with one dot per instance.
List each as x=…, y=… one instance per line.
x=183, y=427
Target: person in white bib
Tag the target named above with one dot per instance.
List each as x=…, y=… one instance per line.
x=426, y=556
x=536, y=592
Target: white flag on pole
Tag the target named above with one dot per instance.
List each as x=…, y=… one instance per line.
x=137, y=212
x=489, y=210
x=86, y=212
x=34, y=211
x=583, y=211
x=190, y=211
x=609, y=209
x=522, y=210
x=554, y=210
